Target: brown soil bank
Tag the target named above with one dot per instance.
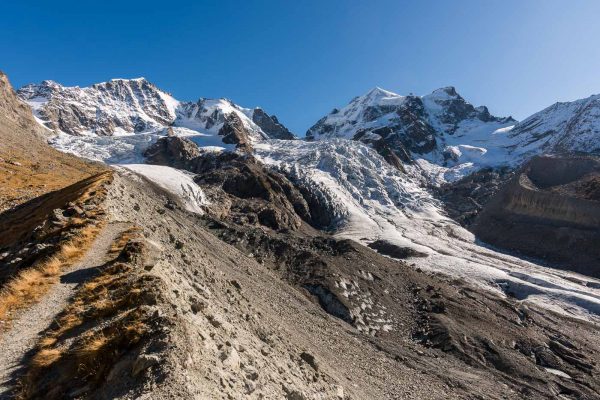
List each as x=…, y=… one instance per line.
x=549, y=210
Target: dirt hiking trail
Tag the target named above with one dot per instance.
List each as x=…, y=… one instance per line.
x=26, y=328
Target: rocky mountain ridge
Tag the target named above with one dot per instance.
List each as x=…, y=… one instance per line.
x=409, y=125
x=134, y=106
x=449, y=138
x=562, y=127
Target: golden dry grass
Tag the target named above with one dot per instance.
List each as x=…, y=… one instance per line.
x=102, y=322
x=118, y=245
x=45, y=357
x=20, y=183
x=31, y=284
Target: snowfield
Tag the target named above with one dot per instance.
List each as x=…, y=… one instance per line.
x=179, y=183
x=108, y=149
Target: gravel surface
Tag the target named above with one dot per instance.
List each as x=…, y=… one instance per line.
x=25, y=330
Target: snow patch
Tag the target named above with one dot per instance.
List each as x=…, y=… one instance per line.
x=177, y=182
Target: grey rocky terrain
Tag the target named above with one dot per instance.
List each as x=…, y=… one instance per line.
x=251, y=294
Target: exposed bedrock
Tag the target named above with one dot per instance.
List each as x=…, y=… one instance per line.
x=234, y=132
x=240, y=188
x=549, y=210
x=173, y=151
x=464, y=199
x=271, y=125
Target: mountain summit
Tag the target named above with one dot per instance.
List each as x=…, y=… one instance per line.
x=408, y=125
x=132, y=106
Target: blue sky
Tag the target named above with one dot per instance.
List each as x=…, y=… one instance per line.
x=299, y=59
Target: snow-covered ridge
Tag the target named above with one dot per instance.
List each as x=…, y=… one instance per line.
x=568, y=126
x=133, y=106
x=450, y=138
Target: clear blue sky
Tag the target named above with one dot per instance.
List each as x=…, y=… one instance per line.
x=299, y=59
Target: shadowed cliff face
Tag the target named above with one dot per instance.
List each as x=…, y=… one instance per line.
x=549, y=210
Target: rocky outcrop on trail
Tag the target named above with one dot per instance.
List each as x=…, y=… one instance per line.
x=549, y=210
x=33, y=231
x=116, y=324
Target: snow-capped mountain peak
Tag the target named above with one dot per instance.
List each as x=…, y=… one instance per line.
x=122, y=107
x=378, y=94
x=420, y=126
x=444, y=93
x=119, y=106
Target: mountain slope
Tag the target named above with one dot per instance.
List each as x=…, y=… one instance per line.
x=563, y=127
x=134, y=106
x=441, y=127
x=28, y=166
x=549, y=210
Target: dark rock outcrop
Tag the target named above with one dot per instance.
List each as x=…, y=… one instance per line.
x=271, y=125
x=548, y=211
x=233, y=132
x=389, y=249
x=242, y=188
x=173, y=151
x=465, y=198
x=245, y=191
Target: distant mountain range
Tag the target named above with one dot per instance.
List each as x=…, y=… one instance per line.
x=133, y=106
x=442, y=132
